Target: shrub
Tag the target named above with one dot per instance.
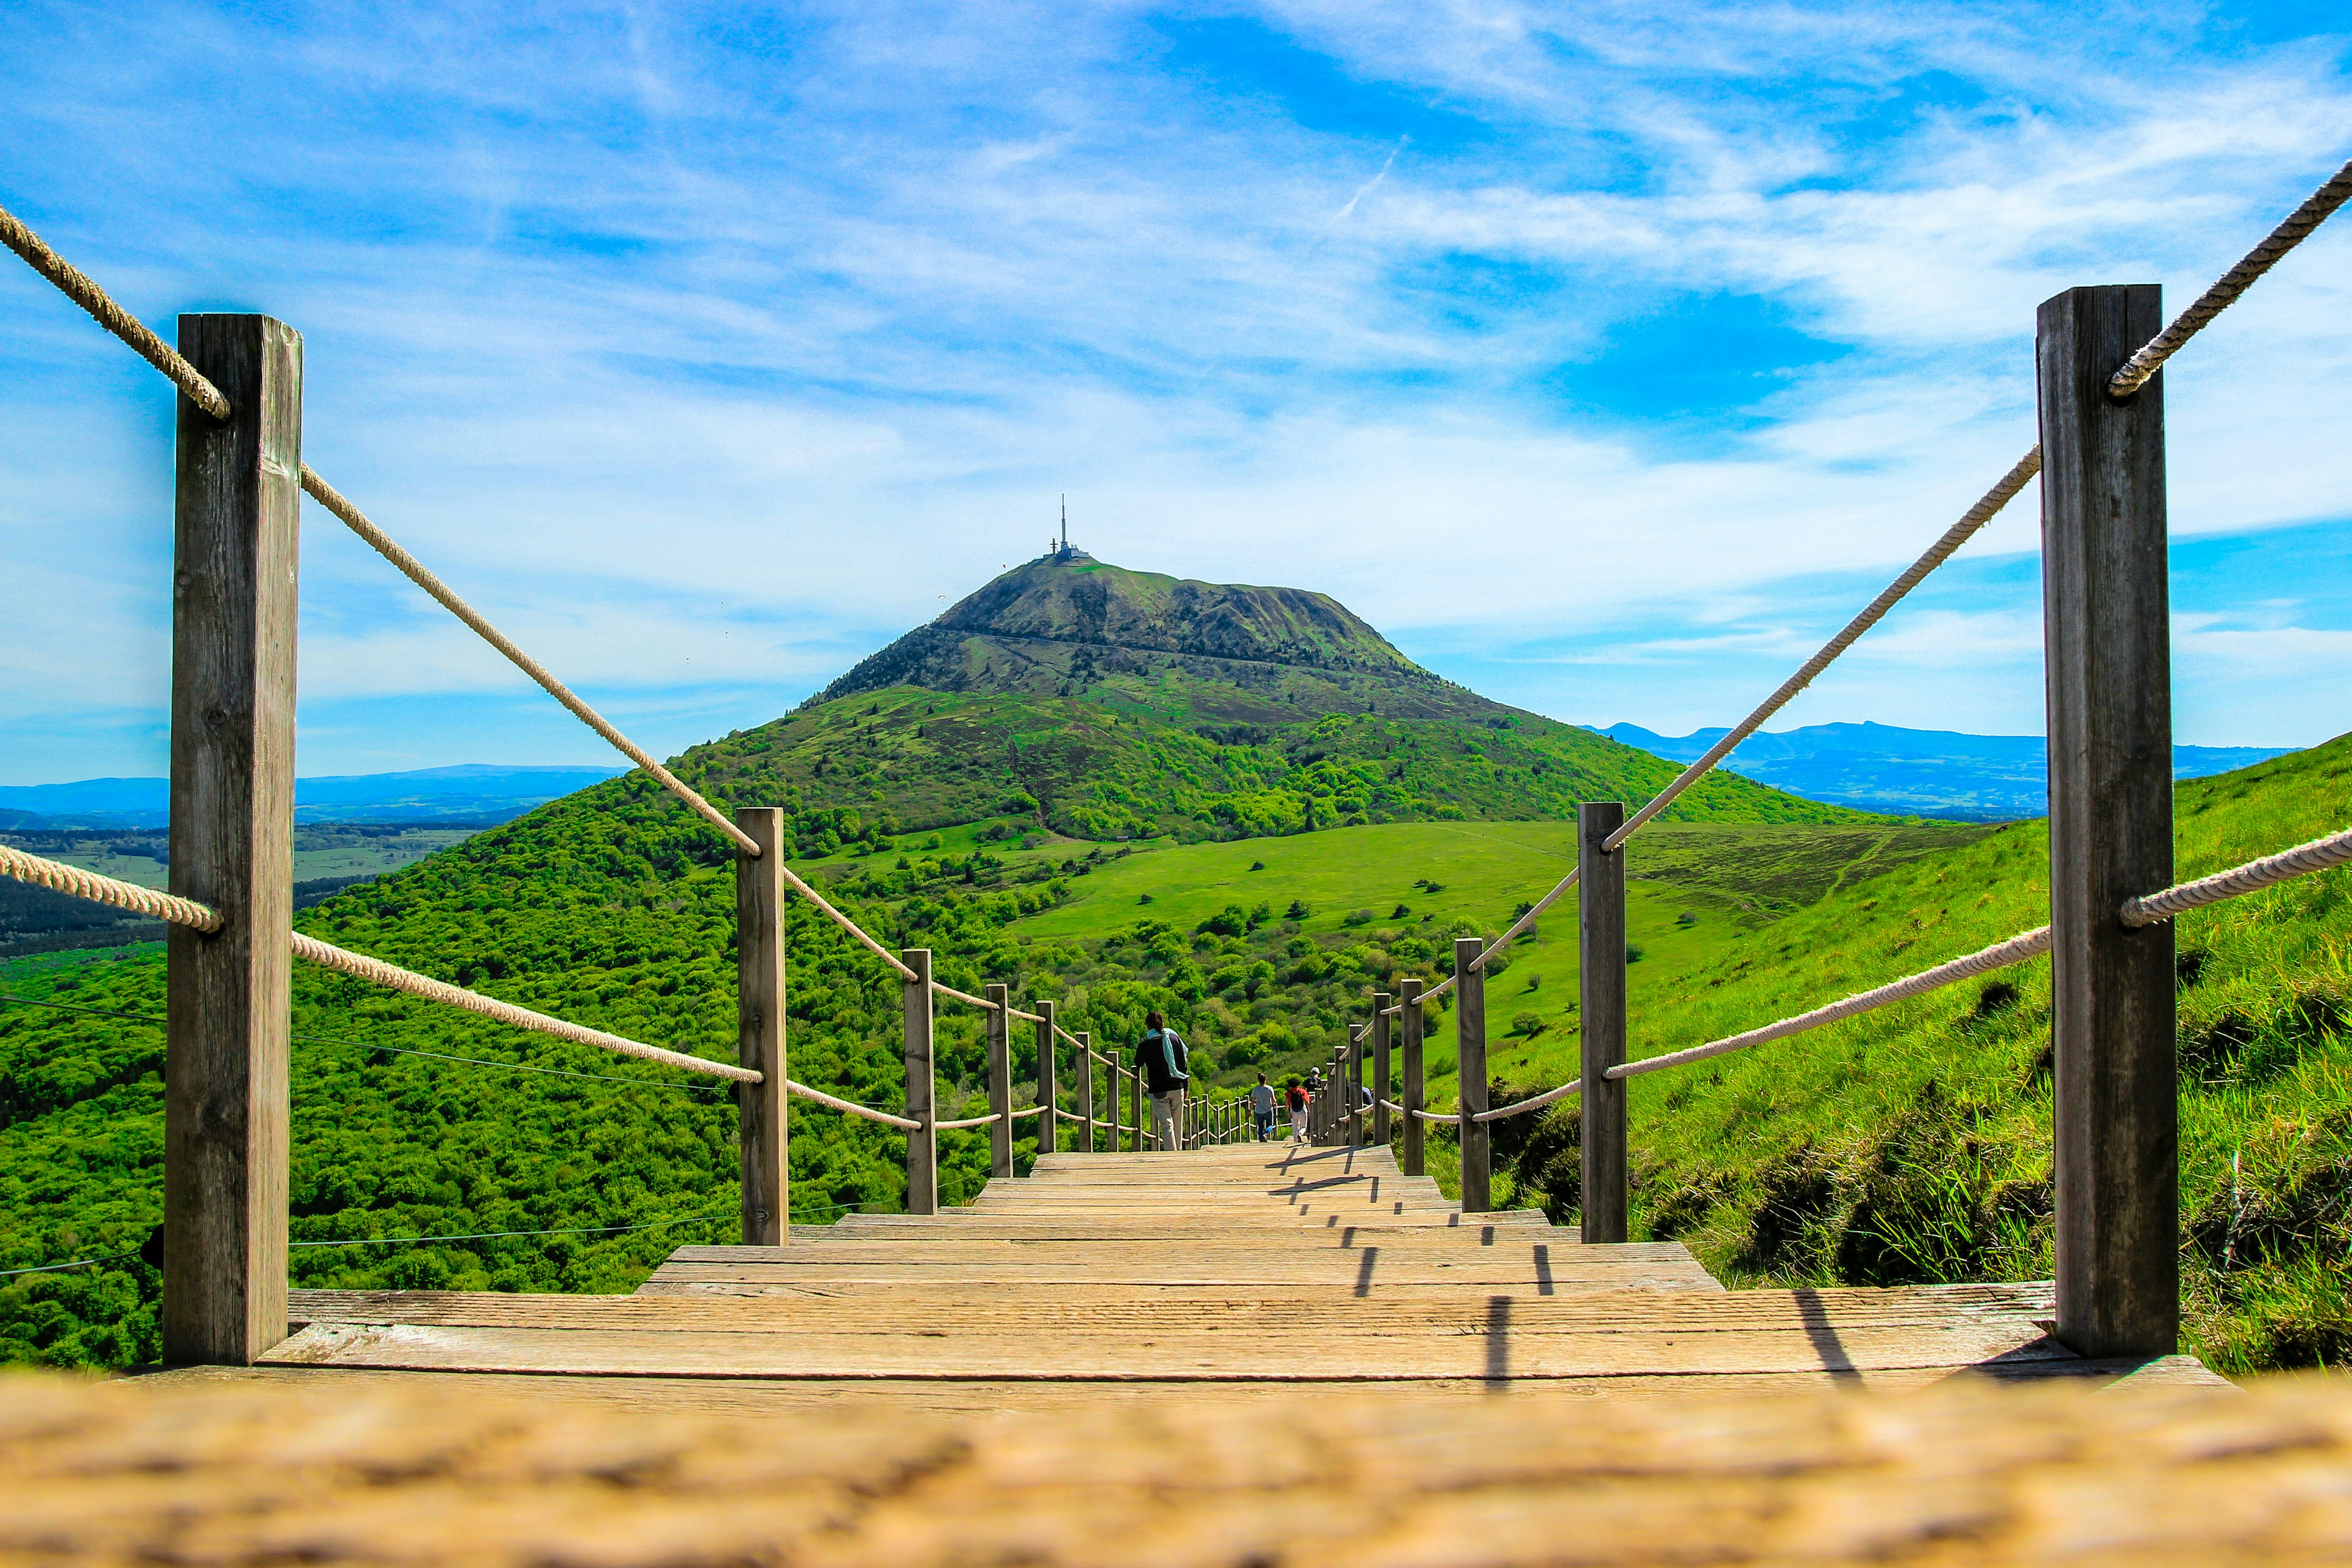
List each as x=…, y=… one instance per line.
x=1297, y=911
x=1526, y=1025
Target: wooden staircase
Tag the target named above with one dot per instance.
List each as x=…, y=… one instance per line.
x=1256, y=1271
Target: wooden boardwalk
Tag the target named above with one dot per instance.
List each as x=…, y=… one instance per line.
x=1259, y=1269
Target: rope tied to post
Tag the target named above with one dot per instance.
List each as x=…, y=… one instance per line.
x=2225, y=291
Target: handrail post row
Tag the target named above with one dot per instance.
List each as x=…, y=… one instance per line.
x=1412, y=1157
x=1049, y=1129
x=1477, y=1138
x=1380, y=1068
x=761, y=1131
x=1601, y=1011
x=2108, y=670
x=236, y=508
x=1086, y=1092
x=1000, y=1079
x=922, y=1143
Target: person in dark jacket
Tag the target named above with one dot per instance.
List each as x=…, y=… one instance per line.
x=1167, y=1070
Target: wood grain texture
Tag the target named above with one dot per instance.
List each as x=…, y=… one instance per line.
x=1381, y=1094
x=332, y=1468
x=1600, y=1014
x=2115, y=1154
x=762, y=1128
x=235, y=588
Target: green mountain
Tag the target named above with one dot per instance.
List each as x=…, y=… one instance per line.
x=1075, y=698
x=945, y=808
x=1070, y=625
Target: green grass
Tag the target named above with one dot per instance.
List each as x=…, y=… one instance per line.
x=1914, y=1144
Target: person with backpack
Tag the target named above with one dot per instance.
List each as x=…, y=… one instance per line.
x=1261, y=1101
x=1297, y=1100
x=1166, y=1066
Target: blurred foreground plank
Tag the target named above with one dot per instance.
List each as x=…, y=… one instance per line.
x=336, y=1469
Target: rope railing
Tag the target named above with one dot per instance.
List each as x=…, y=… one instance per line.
x=59, y=877
x=1533, y=1102
x=2318, y=855
x=79, y=287
x=967, y=1121
x=906, y=1123
x=2138, y=370
x=392, y=976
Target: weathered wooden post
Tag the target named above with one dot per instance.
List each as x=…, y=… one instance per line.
x=1085, y=1093
x=1601, y=1011
x=759, y=1122
x=2107, y=657
x=1136, y=1143
x=1360, y=1126
x=1112, y=1120
x=1049, y=1092
x=922, y=1143
x=1470, y=1076
x=228, y=994
x=1000, y=1079
x=1409, y=1020
x=1381, y=1003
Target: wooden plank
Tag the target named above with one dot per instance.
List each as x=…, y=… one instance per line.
x=1380, y=1002
x=2109, y=671
x=1299, y=1309
x=1158, y=1356
x=1086, y=1095
x=762, y=1128
x=922, y=1103
x=225, y=1073
x=1600, y=1011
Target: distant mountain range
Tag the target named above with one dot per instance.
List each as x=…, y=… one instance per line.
x=471, y=790
x=1912, y=773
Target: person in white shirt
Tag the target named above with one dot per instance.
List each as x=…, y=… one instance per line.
x=1261, y=1101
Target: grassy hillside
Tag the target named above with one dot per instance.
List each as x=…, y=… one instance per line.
x=911, y=759
x=1914, y=1144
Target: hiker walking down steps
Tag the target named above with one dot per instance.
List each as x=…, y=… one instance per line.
x=1261, y=1099
x=1166, y=1066
x=1297, y=1099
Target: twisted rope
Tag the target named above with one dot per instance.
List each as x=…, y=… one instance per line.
x=1032, y=1110
x=969, y=1122
x=77, y=287
x=1549, y=1096
x=2138, y=370
x=852, y=1107
x=1437, y=1116
x=2320, y=855
x=415, y=570
x=395, y=978
x=1999, y=955
x=59, y=877
x=1959, y=533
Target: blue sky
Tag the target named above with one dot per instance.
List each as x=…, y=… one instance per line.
x=1606, y=356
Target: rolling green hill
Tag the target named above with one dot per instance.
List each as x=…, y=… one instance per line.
x=1912, y=1144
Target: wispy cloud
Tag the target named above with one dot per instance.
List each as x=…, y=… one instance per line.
x=710, y=346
